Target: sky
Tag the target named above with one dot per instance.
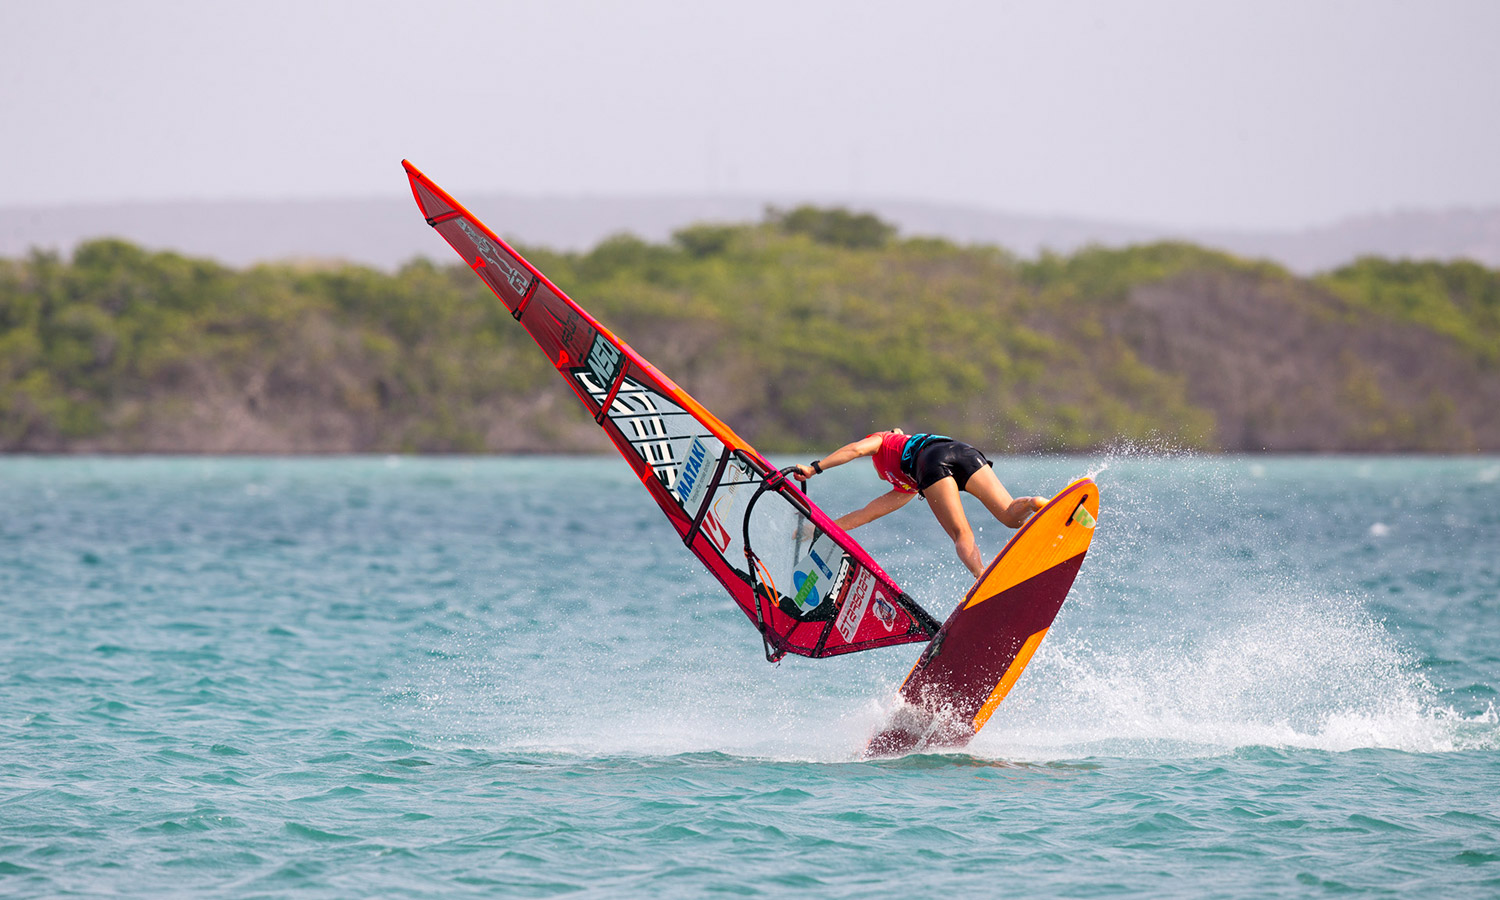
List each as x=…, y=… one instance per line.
x=1205, y=114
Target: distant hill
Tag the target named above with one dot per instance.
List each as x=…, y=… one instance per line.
x=386, y=232
x=799, y=332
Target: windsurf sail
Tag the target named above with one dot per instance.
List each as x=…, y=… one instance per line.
x=808, y=587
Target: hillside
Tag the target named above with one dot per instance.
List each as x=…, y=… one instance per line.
x=379, y=232
x=802, y=331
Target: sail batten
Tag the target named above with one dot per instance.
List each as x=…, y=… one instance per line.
x=808, y=587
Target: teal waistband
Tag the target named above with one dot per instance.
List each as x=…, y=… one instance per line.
x=914, y=445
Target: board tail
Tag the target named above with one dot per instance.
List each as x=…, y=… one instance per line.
x=974, y=661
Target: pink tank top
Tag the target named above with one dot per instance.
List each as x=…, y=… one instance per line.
x=887, y=460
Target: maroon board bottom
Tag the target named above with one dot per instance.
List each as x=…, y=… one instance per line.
x=963, y=664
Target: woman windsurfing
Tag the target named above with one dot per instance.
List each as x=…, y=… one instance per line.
x=938, y=468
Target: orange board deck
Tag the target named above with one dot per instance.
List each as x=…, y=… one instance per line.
x=975, y=659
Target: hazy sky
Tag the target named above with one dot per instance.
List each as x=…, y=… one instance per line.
x=1220, y=114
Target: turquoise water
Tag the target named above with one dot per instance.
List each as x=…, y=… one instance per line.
x=440, y=678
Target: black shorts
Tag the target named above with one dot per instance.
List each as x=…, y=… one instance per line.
x=944, y=459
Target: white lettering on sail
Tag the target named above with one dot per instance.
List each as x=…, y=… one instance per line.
x=494, y=257
x=855, y=604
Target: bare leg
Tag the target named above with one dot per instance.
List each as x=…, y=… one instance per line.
x=1011, y=511
x=946, y=504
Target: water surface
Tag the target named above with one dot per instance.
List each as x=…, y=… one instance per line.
x=506, y=677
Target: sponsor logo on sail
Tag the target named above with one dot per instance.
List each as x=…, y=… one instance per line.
x=885, y=611
x=822, y=566
x=855, y=604
x=692, y=480
x=493, y=257
x=570, y=330
x=807, y=591
x=717, y=534
x=604, y=360
x=843, y=575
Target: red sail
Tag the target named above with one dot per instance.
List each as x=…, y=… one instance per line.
x=805, y=583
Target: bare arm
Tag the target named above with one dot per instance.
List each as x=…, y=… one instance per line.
x=888, y=502
x=865, y=446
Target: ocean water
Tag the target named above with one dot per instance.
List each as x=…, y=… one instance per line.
x=505, y=677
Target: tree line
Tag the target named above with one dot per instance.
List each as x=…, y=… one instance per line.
x=800, y=331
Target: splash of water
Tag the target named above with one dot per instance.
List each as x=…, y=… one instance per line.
x=1291, y=671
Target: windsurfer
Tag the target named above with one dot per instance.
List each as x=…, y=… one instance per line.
x=937, y=468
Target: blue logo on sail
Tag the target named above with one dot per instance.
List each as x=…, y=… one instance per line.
x=807, y=592
x=690, y=479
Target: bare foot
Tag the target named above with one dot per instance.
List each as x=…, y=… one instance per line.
x=1035, y=504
